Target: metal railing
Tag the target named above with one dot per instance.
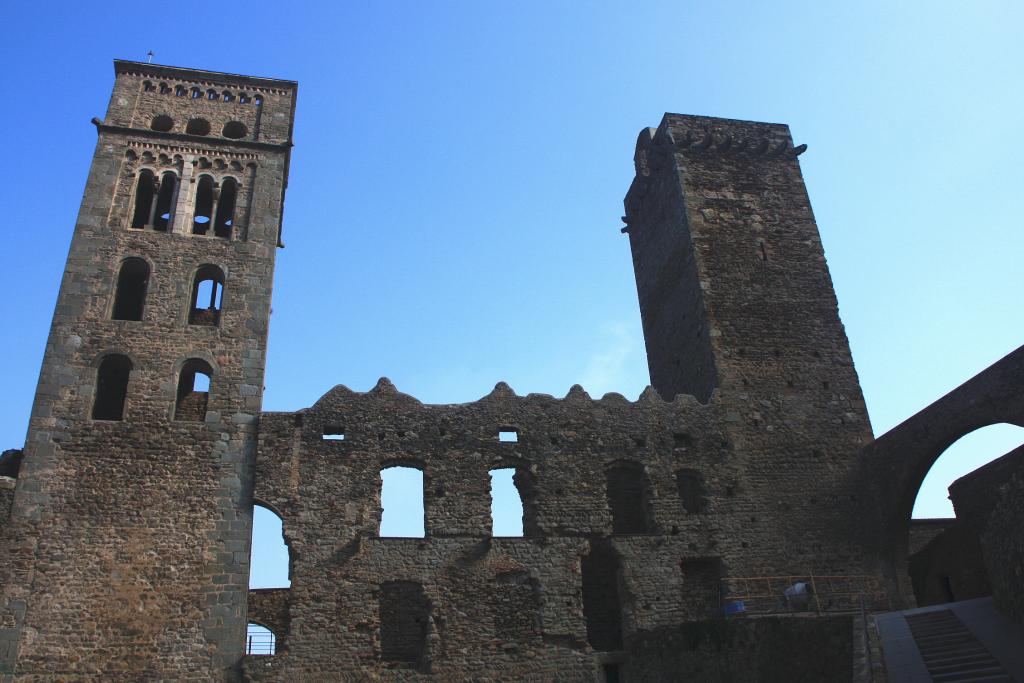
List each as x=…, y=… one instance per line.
x=260, y=643
x=757, y=595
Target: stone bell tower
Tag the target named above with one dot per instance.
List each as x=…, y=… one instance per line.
x=129, y=533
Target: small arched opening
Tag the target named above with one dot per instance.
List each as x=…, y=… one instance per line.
x=203, y=213
x=401, y=496
x=207, y=295
x=225, y=218
x=198, y=127
x=111, y=388
x=235, y=130
x=164, y=211
x=130, y=293
x=145, y=191
x=193, y=390
x=161, y=123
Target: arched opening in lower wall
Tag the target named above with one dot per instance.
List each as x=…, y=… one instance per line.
x=259, y=640
x=945, y=559
x=270, y=561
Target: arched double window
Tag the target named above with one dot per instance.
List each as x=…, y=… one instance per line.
x=207, y=294
x=154, y=200
x=215, y=208
x=193, y=390
x=111, y=387
x=130, y=293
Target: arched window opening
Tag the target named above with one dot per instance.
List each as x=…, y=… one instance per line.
x=965, y=455
x=513, y=503
x=193, y=391
x=401, y=497
x=198, y=127
x=204, y=206
x=207, y=293
x=602, y=608
x=948, y=561
x=228, y=97
x=225, y=218
x=162, y=123
x=270, y=559
x=243, y=98
x=235, y=130
x=147, y=86
x=690, y=484
x=145, y=190
x=260, y=641
x=211, y=94
x=165, y=201
x=258, y=100
x=196, y=93
x=164, y=88
x=130, y=294
x=179, y=91
x=629, y=498
x=404, y=620
x=111, y=388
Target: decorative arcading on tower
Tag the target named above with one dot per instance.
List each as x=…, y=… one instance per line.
x=130, y=527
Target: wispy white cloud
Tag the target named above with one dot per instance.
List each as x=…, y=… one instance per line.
x=610, y=367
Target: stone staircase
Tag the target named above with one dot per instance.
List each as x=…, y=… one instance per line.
x=950, y=651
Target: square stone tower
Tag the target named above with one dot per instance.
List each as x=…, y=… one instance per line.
x=130, y=528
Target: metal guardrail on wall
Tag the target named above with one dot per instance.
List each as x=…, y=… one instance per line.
x=757, y=595
x=260, y=643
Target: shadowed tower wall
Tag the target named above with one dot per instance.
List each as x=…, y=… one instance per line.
x=130, y=528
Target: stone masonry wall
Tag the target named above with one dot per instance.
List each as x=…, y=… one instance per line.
x=1003, y=548
x=511, y=606
x=6, y=496
x=795, y=650
x=988, y=501
x=129, y=539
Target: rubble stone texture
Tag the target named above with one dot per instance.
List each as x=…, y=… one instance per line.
x=128, y=540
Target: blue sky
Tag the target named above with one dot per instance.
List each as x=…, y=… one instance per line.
x=452, y=215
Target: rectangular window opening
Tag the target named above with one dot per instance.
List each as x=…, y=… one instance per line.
x=508, y=436
x=334, y=433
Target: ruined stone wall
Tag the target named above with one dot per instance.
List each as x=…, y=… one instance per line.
x=6, y=496
x=129, y=539
x=988, y=501
x=514, y=606
x=949, y=567
x=1003, y=548
x=791, y=649
x=924, y=530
